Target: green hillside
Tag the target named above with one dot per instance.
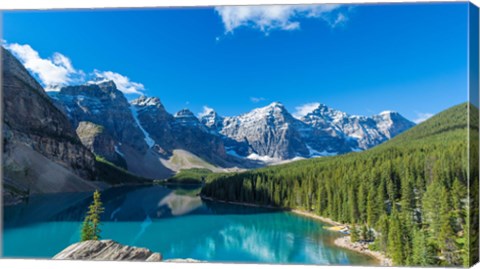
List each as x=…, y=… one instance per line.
x=190, y=176
x=410, y=190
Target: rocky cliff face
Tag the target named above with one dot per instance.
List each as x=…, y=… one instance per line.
x=156, y=121
x=193, y=136
x=100, y=142
x=107, y=250
x=180, y=131
x=104, y=105
x=41, y=151
x=269, y=131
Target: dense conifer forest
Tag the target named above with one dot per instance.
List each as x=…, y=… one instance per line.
x=409, y=195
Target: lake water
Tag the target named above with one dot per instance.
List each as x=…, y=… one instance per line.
x=177, y=223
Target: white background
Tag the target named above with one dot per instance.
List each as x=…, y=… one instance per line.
x=47, y=4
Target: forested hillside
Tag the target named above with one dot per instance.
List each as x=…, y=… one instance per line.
x=411, y=191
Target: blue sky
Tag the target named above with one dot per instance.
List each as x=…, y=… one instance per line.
x=362, y=59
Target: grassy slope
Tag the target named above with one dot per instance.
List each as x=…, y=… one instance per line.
x=190, y=176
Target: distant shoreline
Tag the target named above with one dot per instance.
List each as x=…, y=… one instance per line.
x=343, y=241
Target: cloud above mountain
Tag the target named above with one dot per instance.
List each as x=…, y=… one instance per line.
x=278, y=17
x=303, y=110
x=206, y=110
x=53, y=72
x=57, y=71
x=124, y=84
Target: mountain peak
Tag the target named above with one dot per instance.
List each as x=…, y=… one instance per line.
x=102, y=82
x=388, y=112
x=146, y=101
x=184, y=113
x=210, y=118
x=326, y=113
x=275, y=105
x=207, y=112
x=101, y=90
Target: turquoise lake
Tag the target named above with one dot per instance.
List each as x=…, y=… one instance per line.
x=177, y=223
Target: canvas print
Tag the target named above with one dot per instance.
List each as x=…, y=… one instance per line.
x=319, y=134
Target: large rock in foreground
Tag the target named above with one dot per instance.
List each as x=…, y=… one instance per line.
x=107, y=250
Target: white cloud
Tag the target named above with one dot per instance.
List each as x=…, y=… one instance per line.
x=278, y=17
x=421, y=117
x=58, y=71
x=303, y=110
x=257, y=99
x=124, y=84
x=53, y=72
x=206, y=111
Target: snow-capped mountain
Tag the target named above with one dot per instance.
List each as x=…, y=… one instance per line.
x=273, y=132
x=365, y=131
x=269, y=131
x=142, y=135
x=212, y=120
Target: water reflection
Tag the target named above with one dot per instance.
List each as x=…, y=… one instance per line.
x=177, y=223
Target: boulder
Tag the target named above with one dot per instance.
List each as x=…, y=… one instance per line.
x=107, y=250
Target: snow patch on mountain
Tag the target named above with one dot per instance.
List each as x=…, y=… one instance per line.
x=265, y=159
x=150, y=142
x=117, y=150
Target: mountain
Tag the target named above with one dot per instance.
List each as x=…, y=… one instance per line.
x=411, y=186
x=125, y=141
x=41, y=150
x=182, y=131
x=269, y=131
x=142, y=136
x=366, y=131
x=102, y=104
x=272, y=133
x=212, y=120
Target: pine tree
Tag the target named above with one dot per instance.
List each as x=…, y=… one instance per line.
x=364, y=233
x=382, y=238
x=447, y=243
x=421, y=251
x=395, y=244
x=87, y=230
x=91, y=224
x=354, y=236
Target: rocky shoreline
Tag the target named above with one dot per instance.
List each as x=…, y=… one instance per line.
x=343, y=242
x=362, y=247
x=313, y=216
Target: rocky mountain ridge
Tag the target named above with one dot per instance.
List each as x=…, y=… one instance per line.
x=262, y=136
x=273, y=132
